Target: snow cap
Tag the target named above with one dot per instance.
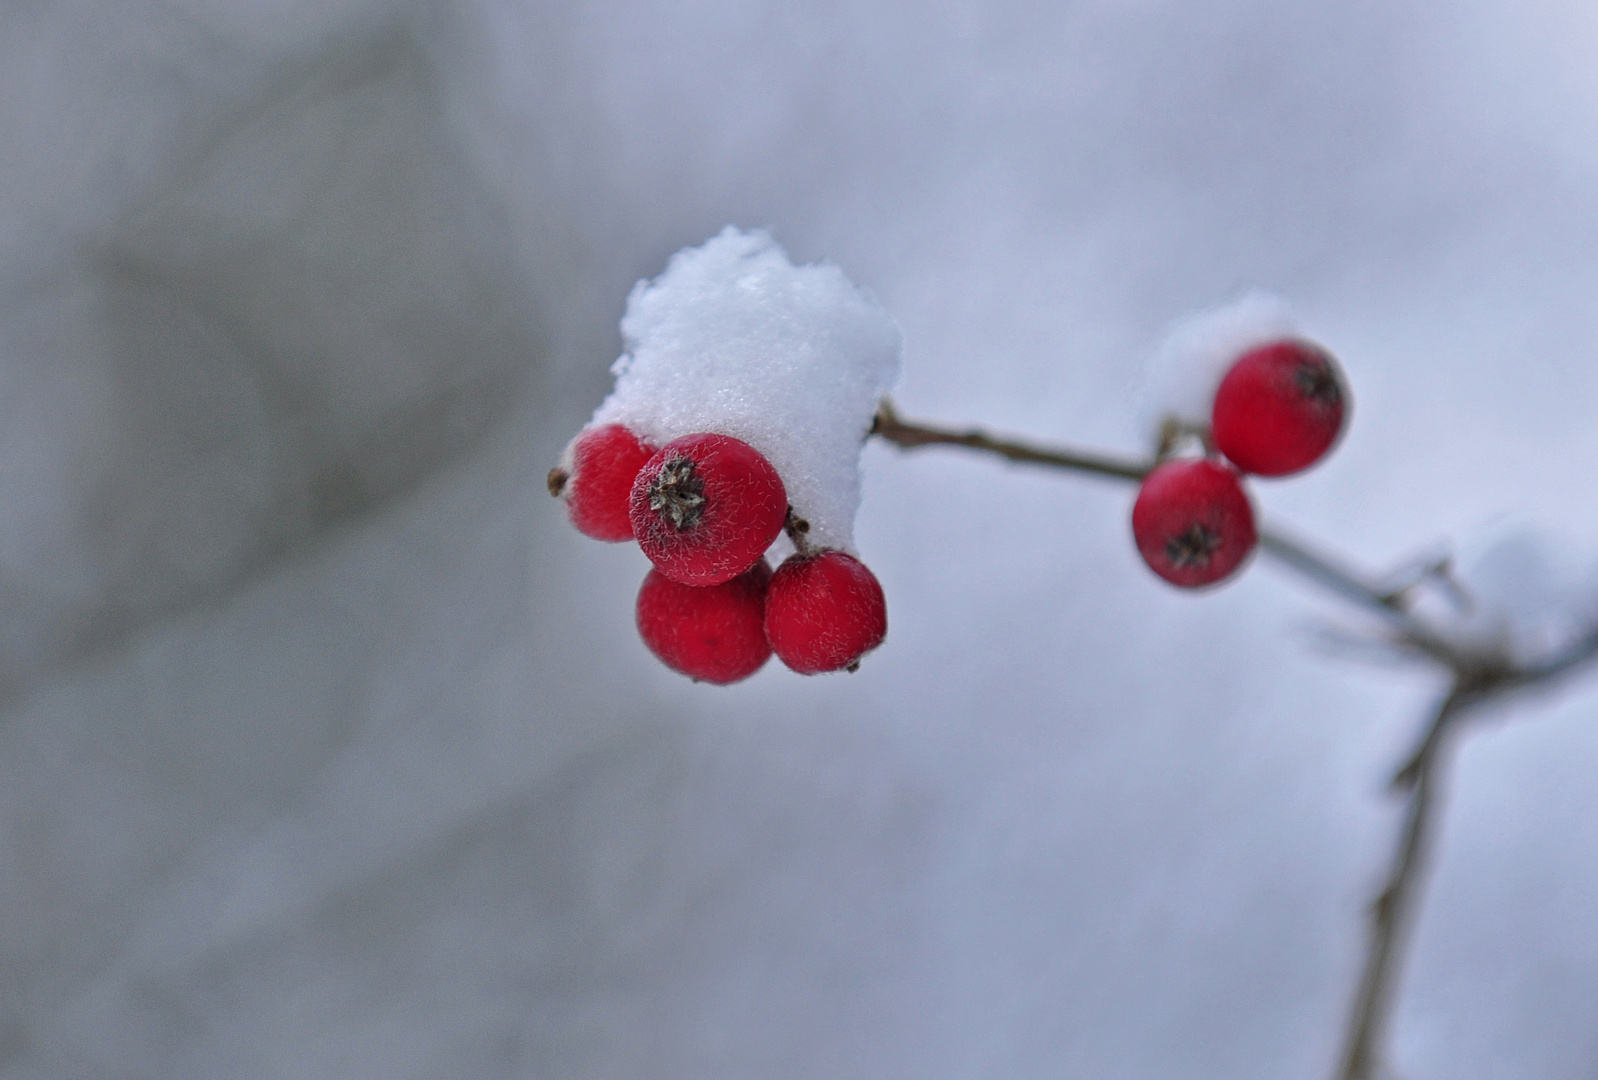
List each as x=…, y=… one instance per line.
x=1532, y=592
x=1196, y=354
x=734, y=339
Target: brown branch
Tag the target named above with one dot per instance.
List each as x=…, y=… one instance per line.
x=1327, y=572
x=1391, y=914
x=908, y=436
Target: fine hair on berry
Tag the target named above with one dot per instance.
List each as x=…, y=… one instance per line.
x=824, y=611
x=705, y=507
x=1193, y=522
x=596, y=480
x=1280, y=408
x=713, y=634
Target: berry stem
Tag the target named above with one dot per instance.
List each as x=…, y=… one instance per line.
x=798, y=529
x=1174, y=431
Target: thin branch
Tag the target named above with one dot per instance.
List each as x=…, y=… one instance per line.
x=1293, y=553
x=908, y=436
x=1324, y=570
x=1329, y=573
x=1409, y=776
x=1495, y=675
x=1394, y=906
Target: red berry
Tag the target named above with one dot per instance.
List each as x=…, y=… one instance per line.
x=1192, y=522
x=824, y=611
x=597, y=480
x=714, y=634
x=1280, y=408
x=706, y=507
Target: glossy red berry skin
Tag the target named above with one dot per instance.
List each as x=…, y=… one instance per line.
x=1193, y=522
x=1280, y=408
x=824, y=611
x=713, y=634
x=706, y=507
x=596, y=480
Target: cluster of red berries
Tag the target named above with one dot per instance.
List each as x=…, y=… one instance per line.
x=705, y=508
x=1278, y=410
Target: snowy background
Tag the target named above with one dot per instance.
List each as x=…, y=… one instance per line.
x=328, y=749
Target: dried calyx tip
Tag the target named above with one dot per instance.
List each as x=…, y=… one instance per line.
x=557, y=480
x=1318, y=383
x=678, y=494
x=1193, y=547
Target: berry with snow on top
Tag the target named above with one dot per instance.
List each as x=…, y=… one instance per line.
x=705, y=507
x=824, y=611
x=714, y=634
x=792, y=359
x=1192, y=522
x=1196, y=353
x=596, y=477
x=1280, y=408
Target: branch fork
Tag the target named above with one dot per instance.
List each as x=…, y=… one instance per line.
x=1478, y=673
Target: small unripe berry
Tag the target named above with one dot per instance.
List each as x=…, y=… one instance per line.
x=705, y=507
x=1279, y=408
x=824, y=611
x=1193, y=522
x=596, y=479
x=713, y=634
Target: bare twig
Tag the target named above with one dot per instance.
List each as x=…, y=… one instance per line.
x=890, y=428
x=1413, y=632
x=1293, y=553
x=1391, y=912
x=1438, y=571
x=1327, y=571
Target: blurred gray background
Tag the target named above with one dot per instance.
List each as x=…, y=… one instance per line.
x=328, y=748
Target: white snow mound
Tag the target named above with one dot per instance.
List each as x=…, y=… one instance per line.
x=735, y=339
x=1534, y=593
x=1189, y=365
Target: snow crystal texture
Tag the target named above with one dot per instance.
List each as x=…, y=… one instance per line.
x=735, y=339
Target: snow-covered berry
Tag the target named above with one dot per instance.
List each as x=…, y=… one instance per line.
x=596, y=476
x=1192, y=522
x=705, y=507
x=713, y=634
x=1196, y=353
x=1280, y=408
x=824, y=611
x=793, y=360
